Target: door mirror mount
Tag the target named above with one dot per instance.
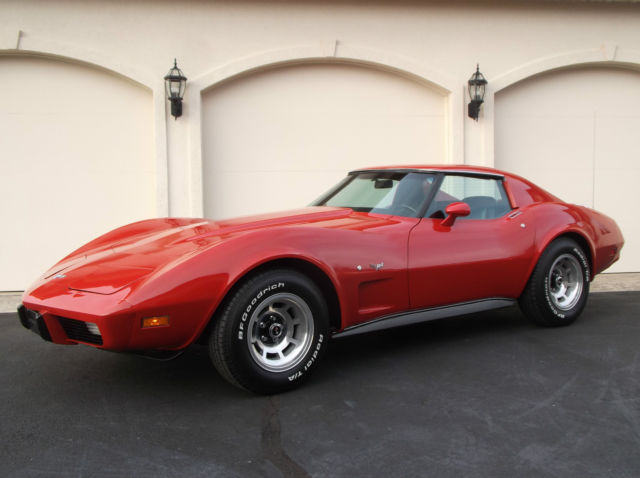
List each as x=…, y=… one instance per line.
x=453, y=211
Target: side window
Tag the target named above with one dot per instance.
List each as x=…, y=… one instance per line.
x=485, y=196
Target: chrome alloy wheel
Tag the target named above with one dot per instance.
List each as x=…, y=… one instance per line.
x=565, y=281
x=280, y=332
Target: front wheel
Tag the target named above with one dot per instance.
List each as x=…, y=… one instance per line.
x=272, y=332
x=559, y=285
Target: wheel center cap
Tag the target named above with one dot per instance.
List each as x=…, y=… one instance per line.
x=275, y=331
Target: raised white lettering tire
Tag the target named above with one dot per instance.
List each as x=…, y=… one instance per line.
x=271, y=333
x=558, y=288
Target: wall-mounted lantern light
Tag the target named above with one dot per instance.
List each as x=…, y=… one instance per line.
x=174, y=84
x=477, y=84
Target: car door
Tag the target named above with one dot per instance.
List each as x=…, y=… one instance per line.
x=483, y=255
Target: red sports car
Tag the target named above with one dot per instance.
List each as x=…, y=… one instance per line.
x=386, y=247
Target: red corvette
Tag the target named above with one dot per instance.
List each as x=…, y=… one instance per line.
x=386, y=247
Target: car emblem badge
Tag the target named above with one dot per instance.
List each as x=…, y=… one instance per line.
x=59, y=276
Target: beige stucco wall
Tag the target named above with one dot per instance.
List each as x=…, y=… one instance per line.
x=435, y=44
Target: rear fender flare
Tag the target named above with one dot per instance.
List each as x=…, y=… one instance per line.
x=574, y=233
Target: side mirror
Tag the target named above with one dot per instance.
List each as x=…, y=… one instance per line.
x=454, y=210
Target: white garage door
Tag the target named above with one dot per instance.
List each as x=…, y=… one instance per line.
x=77, y=160
x=278, y=139
x=576, y=133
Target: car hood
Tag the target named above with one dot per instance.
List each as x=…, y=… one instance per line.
x=122, y=257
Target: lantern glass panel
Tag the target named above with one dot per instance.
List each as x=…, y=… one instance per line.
x=174, y=88
x=479, y=92
x=175, y=82
x=477, y=86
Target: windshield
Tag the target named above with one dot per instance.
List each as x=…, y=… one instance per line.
x=384, y=192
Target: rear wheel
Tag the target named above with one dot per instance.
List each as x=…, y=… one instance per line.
x=272, y=332
x=558, y=288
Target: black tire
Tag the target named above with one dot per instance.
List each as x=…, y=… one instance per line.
x=271, y=333
x=558, y=288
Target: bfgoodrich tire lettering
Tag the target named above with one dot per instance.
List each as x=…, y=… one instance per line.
x=271, y=334
x=558, y=288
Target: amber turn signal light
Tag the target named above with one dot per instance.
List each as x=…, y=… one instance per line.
x=155, y=322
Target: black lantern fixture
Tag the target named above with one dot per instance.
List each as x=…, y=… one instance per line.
x=477, y=84
x=174, y=84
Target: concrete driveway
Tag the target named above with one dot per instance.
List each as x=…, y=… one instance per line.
x=487, y=395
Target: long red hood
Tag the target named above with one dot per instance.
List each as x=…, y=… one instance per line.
x=121, y=257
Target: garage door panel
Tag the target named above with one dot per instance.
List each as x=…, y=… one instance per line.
x=563, y=147
x=579, y=130
x=72, y=170
x=320, y=88
x=236, y=191
x=288, y=144
x=617, y=142
x=65, y=143
x=617, y=193
x=58, y=220
x=304, y=126
x=548, y=150
x=617, y=177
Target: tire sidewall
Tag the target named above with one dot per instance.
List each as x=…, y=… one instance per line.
x=244, y=305
x=555, y=250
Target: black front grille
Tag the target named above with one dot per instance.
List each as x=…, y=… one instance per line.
x=77, y=330
x=33, y=321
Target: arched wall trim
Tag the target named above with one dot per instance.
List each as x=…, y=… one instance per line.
x=34, y=46
x=329, y=52
x=607, y=54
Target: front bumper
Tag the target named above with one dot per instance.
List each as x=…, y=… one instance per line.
x=53, y=327
x=121, y=331
x=74, y=331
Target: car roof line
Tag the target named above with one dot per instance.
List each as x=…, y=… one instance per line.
x=459, y=172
